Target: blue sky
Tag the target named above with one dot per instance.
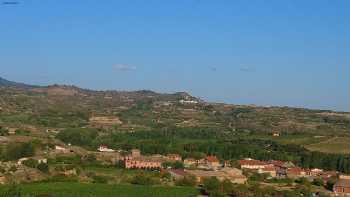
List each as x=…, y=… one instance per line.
x=288, y=53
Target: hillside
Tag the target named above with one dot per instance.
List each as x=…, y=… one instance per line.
x=69, y=106
x=59, y=107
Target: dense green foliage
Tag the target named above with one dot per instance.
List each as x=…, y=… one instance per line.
x=16, y=151
x=204, y=141
x=79, y=137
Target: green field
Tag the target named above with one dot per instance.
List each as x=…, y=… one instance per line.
x=102, y=190
x=326, y=144
x=332, y=145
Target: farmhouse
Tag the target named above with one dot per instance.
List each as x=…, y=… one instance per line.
x=342, y=187
x=212, y=162
x=61, y=149
x=174, y=157
x=296, y=172
x=177, y=173
x=138, y=161
x=253, y=164
x=104, y=148
x=270, y=170
x=189, y=162
x=315, y=172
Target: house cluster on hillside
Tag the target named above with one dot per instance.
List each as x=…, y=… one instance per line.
x=283, y=169
x=200, y=169
x=209, y=163
x=137, y=161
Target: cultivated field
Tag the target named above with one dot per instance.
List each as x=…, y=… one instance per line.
x=103, y=190
x=332, y=145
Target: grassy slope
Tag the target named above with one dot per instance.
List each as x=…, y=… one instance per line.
x=332, y=145
x=101, y=190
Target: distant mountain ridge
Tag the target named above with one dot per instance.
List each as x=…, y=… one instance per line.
x=71, y=90
x=7, y=83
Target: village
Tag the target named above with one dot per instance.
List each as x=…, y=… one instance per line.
x=237, y=172
x=211, y=167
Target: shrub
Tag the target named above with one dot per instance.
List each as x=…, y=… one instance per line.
x=43, y=167
x=16, y=151
x=142, y=179
x=31, y=163
x=99, y=179
x=188, y=180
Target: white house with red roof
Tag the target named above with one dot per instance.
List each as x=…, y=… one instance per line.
x=104, y=148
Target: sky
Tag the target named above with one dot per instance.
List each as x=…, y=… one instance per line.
x=264, y=52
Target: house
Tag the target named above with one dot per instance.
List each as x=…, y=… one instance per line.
x=177, y=173
x=174, y=157
x=296, y=172
x=135, y=153
x=61, y=149
x=342, y=187
x=20, y=161
x=342, y=176
x=277, y=163
x=137, y=161
x=190, y=162
x=276, y=134
x=212, y=162
x=40, y=159
x=227, y=163
x=144, y=163
x=70, y=172
x=182, y=101
x=253, y=164
x=270, y=170
x=234, y=175
x=314, y=172
x=104, y=148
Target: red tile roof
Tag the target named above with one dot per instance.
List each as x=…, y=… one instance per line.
x=295, y=171
x=277, y=163
x=212, y=159
x=178, y=172
x=269, y=168
x=252, y=162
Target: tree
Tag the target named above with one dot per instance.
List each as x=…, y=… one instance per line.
x=212, y=186
x=318, y=182
x=188, y=180
x=178, y=165
x=16, y=151
x=43, y=167
x=31, y=163
x=142, y=179
x=227, y=187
